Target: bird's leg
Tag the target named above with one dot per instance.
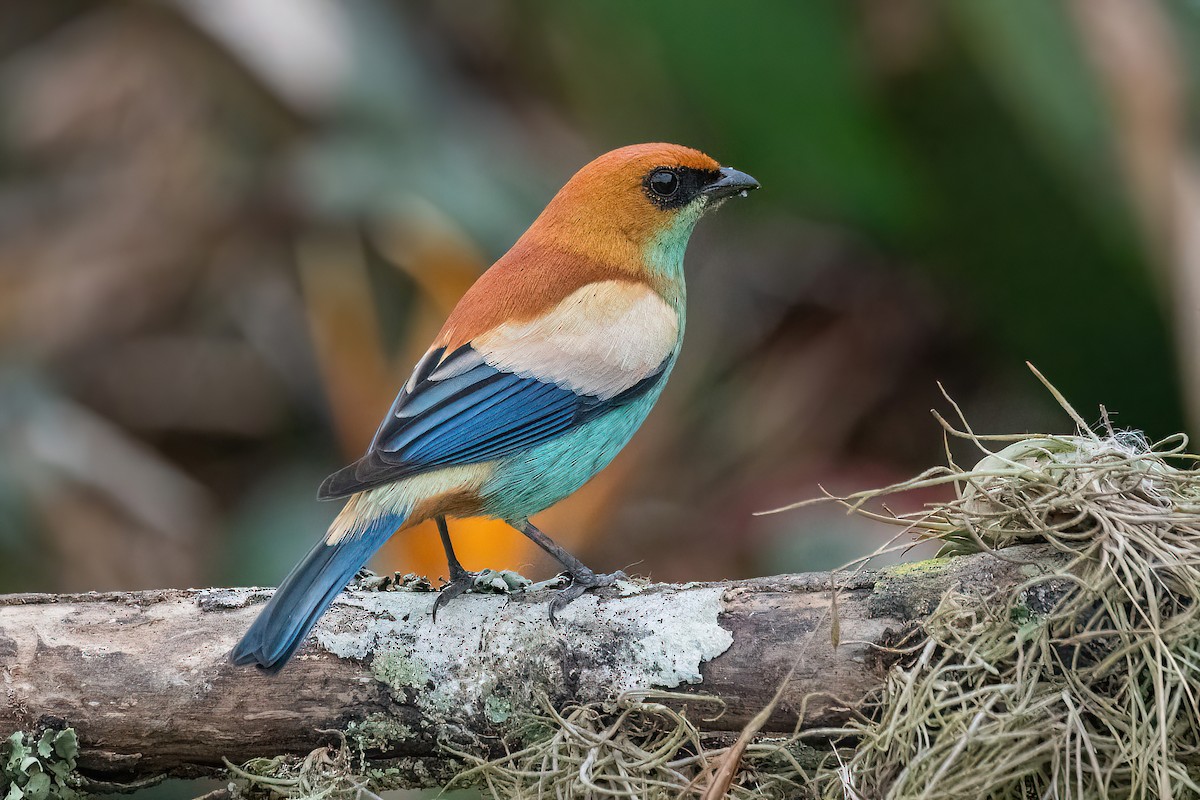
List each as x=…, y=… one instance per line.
x=460, y=579
x=582, y=578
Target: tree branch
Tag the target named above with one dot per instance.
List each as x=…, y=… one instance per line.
x=143, y=677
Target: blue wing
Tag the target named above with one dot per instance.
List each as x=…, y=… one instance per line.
x=461, y=410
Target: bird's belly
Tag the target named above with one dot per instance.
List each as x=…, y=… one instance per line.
x=529, y=482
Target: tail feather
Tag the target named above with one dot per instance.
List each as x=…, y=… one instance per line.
x=306, y=592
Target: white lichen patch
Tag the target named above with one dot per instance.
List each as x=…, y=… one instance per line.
x=486, y=656
x=227, y=599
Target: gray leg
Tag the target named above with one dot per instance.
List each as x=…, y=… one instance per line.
x=582, y=578
x=456, y=568
x=460, y=579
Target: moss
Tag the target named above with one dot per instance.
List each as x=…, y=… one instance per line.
x=377, y=732
x=410, y=680
x=399, y=672
x=928, y=567
x=408, y=771
x=343, y=771
x=39, y=767
x=908, y=591
x=532, y=729
x=497, y=709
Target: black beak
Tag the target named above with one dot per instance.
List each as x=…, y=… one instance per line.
x=730, y=182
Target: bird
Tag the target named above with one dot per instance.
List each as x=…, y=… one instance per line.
x=541, y=374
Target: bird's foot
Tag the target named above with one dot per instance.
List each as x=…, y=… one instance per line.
x=488, y=581
x=460, y=581
x=581, y=581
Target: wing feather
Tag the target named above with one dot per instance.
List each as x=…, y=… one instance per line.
x=475, y=405
x=501, y=414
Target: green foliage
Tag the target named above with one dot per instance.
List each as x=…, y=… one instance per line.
x=39, y=769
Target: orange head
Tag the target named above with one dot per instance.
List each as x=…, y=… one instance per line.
x=627, y=215
x=636, y=196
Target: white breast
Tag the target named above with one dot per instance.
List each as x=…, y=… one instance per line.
x=600, y=340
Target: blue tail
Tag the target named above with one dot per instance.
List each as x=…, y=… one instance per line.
x=304, y=595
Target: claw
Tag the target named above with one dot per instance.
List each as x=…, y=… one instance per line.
x=460, y=582
x=581, y=581
x=487, y=581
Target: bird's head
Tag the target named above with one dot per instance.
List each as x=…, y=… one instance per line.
x=638, y=204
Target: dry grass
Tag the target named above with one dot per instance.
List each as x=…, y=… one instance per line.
x=637, y=748
x=1082, y=682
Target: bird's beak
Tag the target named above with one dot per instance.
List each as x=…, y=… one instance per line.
x=729, y=183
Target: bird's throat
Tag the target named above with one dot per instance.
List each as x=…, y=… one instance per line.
x=663, y=255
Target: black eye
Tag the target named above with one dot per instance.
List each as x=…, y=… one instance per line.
x=664, y=183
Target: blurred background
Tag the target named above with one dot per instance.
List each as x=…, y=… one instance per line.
x=228, y=228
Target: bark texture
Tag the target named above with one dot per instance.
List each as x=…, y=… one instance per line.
x=144, y=679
